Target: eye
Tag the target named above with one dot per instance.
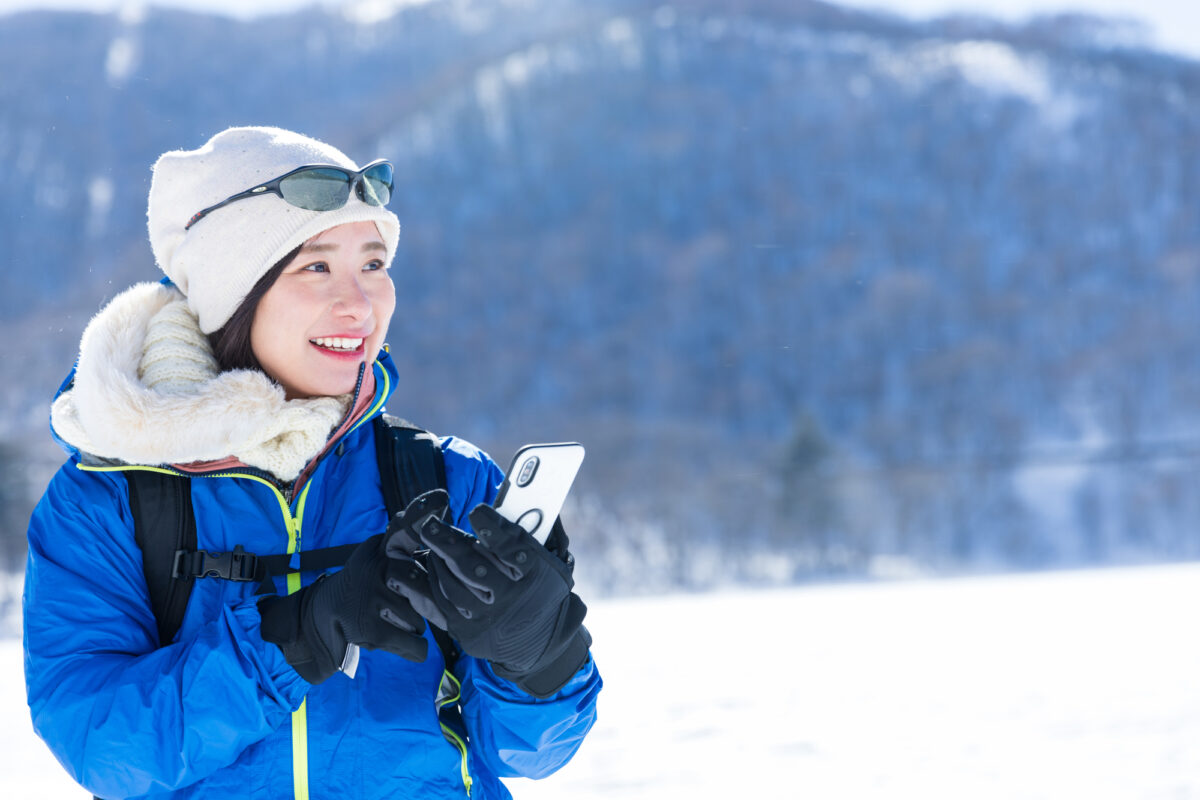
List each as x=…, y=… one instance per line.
x=317, y=266
x=371, y=266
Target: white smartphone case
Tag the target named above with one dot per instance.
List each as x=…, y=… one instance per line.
x=537, y=484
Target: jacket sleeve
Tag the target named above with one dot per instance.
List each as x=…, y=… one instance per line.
x=123, y=715
x=513, y=733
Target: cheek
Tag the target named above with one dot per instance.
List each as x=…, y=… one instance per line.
x=384, y=305
x=267, y=326
x=257, y=337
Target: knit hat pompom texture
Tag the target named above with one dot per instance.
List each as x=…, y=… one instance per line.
x=217, y=262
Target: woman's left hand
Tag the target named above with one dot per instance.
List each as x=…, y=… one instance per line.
x=504, y=597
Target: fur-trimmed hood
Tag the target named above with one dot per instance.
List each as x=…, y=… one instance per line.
x=116, y=411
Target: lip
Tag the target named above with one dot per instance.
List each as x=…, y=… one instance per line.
x=343, y=335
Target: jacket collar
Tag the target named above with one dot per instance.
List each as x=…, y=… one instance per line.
x=105, y=411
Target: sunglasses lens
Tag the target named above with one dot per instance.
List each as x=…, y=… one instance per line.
x=316, y=189
x=376, y=185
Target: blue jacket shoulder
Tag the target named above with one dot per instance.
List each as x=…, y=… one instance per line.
x=472, y=477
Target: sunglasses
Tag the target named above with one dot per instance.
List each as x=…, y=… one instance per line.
x=319, y=187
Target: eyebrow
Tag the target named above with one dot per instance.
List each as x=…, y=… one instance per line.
x=325, y=248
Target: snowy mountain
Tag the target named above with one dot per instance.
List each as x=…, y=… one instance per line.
x=820, y=290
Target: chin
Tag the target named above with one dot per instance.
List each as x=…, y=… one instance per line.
x=323, y=380
x=327, y=388
x=335, y=389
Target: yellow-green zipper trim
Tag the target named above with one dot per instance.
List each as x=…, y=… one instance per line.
x=462, y=749
x=300, y=715
x=448, y=732
x=380, y=397
x=131, y=468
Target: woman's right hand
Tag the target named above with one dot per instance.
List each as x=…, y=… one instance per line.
x=359, y=605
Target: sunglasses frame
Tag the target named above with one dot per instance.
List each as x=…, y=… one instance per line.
x=354, y=180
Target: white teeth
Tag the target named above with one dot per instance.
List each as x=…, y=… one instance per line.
x=337, y=343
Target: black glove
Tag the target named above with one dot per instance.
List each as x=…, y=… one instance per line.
x=503, y=596
x=358, y=605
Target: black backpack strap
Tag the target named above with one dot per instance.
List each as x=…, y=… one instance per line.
x=240, y=565
x=163, y=525
x=410, y=464
x=410, y=461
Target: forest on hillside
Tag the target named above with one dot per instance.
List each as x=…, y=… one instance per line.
x=822, y=292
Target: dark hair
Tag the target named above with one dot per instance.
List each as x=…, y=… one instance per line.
x=231, y=342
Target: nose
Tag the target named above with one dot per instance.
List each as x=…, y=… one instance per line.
x=350, y=298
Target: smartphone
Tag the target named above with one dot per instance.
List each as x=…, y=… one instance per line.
x=536, y=485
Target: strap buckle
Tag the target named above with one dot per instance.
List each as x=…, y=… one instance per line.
x=236, y=565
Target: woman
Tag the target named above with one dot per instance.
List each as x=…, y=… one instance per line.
x=254, y=369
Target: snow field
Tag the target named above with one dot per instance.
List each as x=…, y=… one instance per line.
x=1059, y=685
x=1055, y=685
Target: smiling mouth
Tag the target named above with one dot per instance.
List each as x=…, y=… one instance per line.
x=338, y=344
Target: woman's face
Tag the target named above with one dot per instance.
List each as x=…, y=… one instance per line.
x=327, y=313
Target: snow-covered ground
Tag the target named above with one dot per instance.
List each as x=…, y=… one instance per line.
x=1067, y=685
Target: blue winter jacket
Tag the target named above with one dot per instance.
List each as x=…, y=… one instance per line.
x=218, y=712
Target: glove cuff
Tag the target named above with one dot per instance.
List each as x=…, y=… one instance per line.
x=282, y=626
x=546, y=679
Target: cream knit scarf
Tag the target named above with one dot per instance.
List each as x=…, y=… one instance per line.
x=148, y=391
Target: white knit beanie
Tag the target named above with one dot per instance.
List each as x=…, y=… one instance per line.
x=217, y=262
